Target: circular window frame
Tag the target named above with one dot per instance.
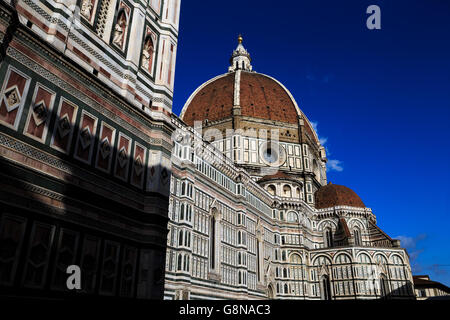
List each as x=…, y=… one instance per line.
x=281, y=153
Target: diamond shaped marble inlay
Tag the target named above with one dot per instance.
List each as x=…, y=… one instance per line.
x=64, y=126
x=85, y=138
x=40, y=113
x=105, y=148
x=164, y=174
x=12, y=98
x=123, y=158
x=138, y=165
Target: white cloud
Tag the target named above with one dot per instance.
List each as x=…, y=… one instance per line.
x=334, y=165
x=322, y=140
x=411, y=242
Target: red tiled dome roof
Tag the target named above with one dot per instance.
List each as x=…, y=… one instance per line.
x=333, y=195
x=213, y=102
x=260, y=97
x=279, y=175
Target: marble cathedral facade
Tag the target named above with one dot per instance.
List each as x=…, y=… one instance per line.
x=251, y=213
x=85, y=144
x=93, y=175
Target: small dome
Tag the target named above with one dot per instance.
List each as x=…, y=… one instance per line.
x=333, y=195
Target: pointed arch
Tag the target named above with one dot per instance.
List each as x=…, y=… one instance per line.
x=384, y=286
x=328, y=237
x=214, y=239
x=325, y=288
x=271, y=293
x=327, y=223
x=148, y=51
x=357, y=237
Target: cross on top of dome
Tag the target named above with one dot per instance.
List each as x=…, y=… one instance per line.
x=240, y=59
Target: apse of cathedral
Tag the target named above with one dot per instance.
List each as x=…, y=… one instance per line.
x=104, y=192
x=252, y=215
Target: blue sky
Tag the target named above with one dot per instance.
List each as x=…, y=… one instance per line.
x=380, y=98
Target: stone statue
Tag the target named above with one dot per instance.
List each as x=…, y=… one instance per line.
x=86, y=8
x=147, y=54
x=119, y=30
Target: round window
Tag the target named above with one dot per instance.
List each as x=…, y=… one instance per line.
x=272, y=153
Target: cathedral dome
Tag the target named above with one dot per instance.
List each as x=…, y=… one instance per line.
x=333, y=195
x=251, y=97
x=259, y=96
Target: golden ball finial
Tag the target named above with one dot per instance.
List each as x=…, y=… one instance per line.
x=240, y=39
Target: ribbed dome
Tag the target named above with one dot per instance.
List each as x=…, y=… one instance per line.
x=259, y=97
x=333, y=195
x=244, y=99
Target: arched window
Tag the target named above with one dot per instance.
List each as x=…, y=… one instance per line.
x=213, y=242
x=189, y=213
x=287, y=191
x=285, y=273
x=271, y=189
x=182, y=211
x=180, y=238
x=292, y=216
x=286, y=288
x=186, y=261
x=357, y=236
x=328, y=238
x=296, y=259
x=180, y=262
x=258, y=260
x=188, y=239
x=298, y=193
x=379, y=258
